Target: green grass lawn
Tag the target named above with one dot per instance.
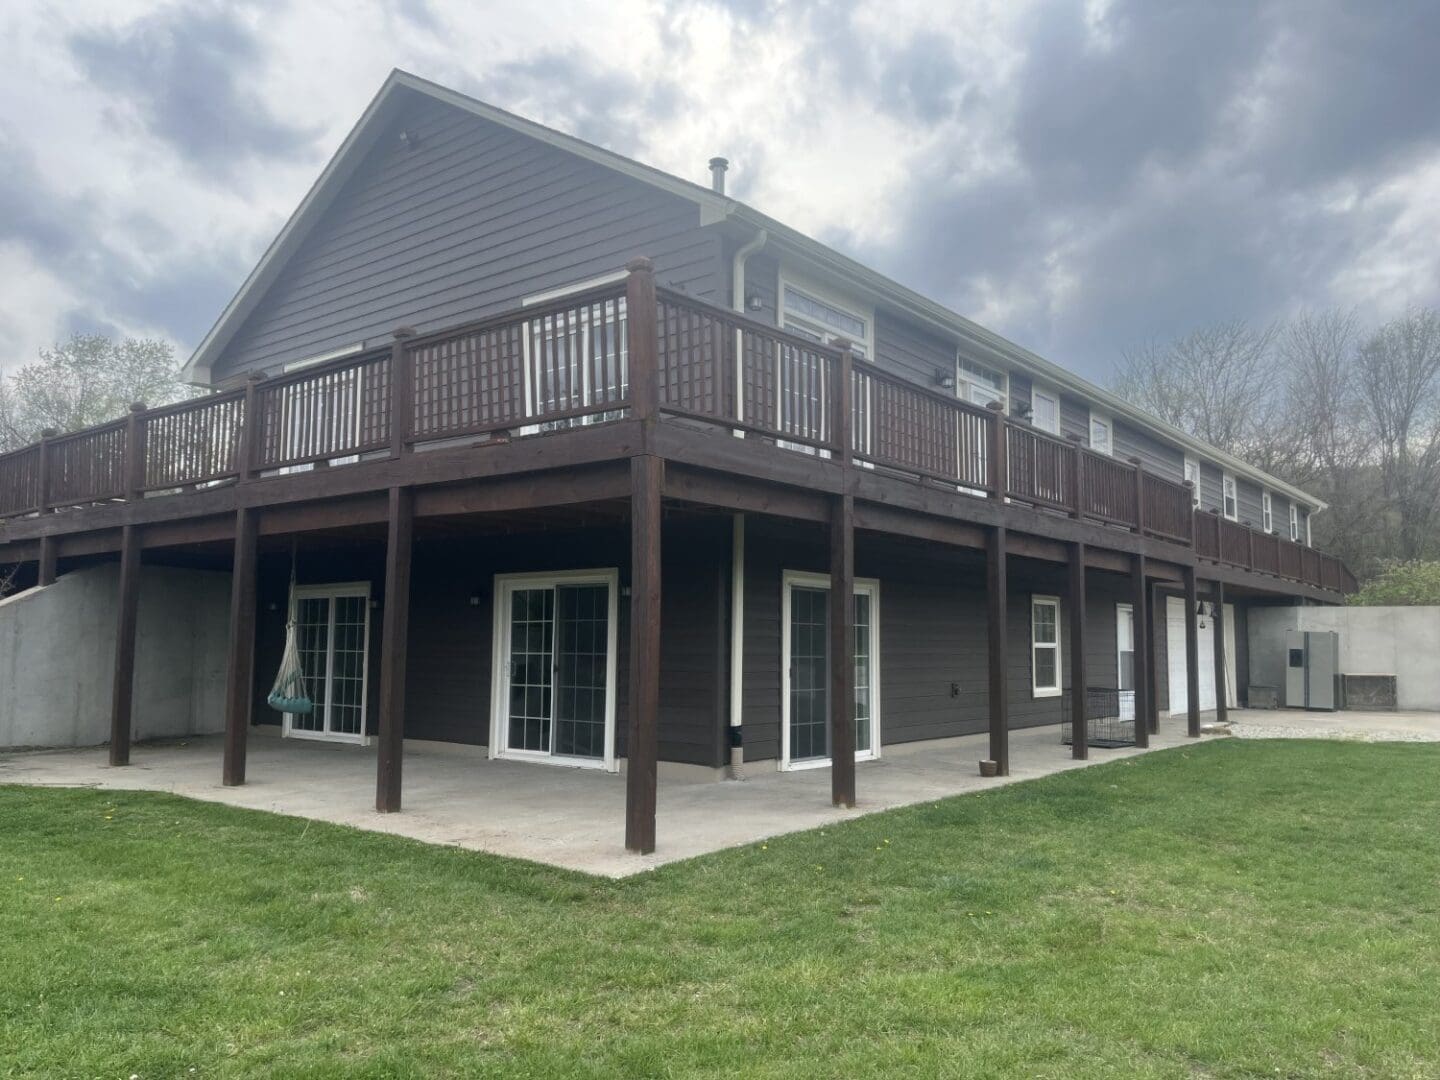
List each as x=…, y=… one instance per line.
x=1235, y=909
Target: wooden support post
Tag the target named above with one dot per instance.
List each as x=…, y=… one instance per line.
x=240, y=677
x=999, y=472
x=135, y=452
x=1141, y=664
x=1079, y=725
x=642, y=743
x=1077, y=478
x=123, y=687
x=45, y=569
x=1139, y=467
x=393, y=648
x=43, y=479
x=997, y=595
x=402, y=382
x=1222, y=706
x=249, y=427
x=1192, y=655
x=643, y=346
x=842, y=650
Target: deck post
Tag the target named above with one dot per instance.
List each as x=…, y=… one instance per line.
x=135, y=452
x=1192, y=655
x=249, y=428
x=643, y=345
x=997, y=596
x=43, y=469
x=1079, y=726
x=402, y=380
x=240, y=678
x=45, y=567
x=999, y=472
x=842, y=650
x=643, y=733
x=123, y=686
x=1077, y=478
x=1222, y=706
x=393, y=648
x=1139, y=467
x=1140, y=678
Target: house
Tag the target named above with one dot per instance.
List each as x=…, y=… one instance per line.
x=555, y=453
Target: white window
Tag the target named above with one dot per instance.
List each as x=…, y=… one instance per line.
x=1102, y=434
x=1192, y=474
x=812, y=312
x=1045, y=410
x=1267, y=512
x=805, y=671
x=1045, y=646
x=553, y=674
x=332, y=628
x=1230, y=501
x=575, y=358
x=980, y=385
x=1295, y=523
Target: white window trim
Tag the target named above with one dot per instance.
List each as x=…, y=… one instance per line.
x=868, y=586
x=1036, y=690
x=1037, y=390
x=1192, y=464
x=1109, y=450
x=1229, y=483
x=1267, y=512
x=962, y=381
x=824, y=294
x=505, y=586
x=612, y=278
x=325, y=357
x=332, y=592
x=1295, y=525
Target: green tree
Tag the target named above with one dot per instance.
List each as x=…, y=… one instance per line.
x=87, y=380
x=1409, y=583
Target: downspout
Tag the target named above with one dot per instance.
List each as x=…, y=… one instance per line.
x=737, y=536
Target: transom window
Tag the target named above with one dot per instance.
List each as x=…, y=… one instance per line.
x=1267, y=512
x=1230, y=500
x=1045, y=646
x=1045, y=410
x=808, y=316
x=980, y=385
x=1102, y=434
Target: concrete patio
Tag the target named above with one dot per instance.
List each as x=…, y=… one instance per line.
x=572, y=818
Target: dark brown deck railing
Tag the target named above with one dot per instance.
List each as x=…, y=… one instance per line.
x=566, y=362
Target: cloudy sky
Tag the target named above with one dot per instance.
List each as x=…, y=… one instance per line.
x=1080, y=176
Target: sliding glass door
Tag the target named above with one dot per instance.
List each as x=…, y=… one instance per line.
x=806, y=671
x=555, y=672
x=333, y=637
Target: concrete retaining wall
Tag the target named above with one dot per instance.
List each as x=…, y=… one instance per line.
x=1399, y=641
x=57, y=649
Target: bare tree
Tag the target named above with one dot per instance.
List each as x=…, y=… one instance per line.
x=86, y=380
x=1398, y=374
x=1219, y=383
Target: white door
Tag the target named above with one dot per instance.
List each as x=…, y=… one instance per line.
x=1175, y=655
x=1125, y=659
x=332, y=626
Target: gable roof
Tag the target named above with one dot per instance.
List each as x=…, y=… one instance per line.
x=714, y=208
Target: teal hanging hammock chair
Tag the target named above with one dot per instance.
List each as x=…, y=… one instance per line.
x=290, y=694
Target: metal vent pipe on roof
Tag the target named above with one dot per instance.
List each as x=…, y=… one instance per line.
x=718, y=165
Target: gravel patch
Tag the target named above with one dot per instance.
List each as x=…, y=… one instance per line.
x=1250, y=730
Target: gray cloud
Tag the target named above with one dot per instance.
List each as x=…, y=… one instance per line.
x=186, y=74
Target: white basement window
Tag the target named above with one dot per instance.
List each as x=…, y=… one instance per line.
x=1045, y=646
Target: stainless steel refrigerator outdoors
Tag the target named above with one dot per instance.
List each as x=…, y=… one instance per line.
x=1312, y=668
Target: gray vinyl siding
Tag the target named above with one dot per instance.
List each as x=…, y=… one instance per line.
x=1019, y=393
x=1210, y=486
x=1074, y=419
x=1158, y=457
x=466, y=224
x=1248, y=495
x=910, y=350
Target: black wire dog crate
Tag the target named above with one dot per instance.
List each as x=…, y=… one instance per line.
x=1109, y=718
